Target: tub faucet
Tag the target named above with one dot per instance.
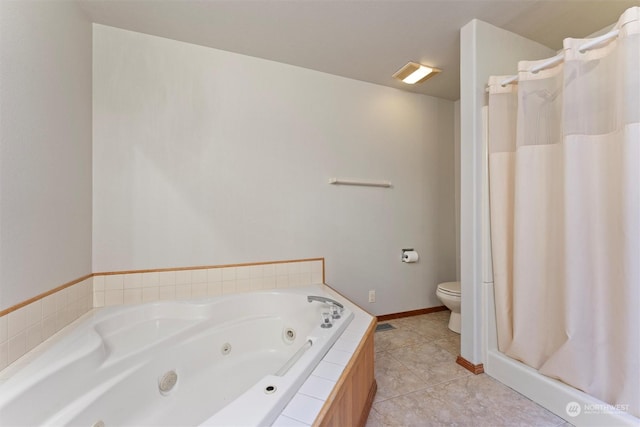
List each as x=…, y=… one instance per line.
x=336, y=306
x=312, y=298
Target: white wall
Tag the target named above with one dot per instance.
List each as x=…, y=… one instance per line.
x=456, y=156
x=207, y=157
x=45, y=147
x=484, y=50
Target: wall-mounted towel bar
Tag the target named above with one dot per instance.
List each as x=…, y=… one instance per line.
x=337, y=181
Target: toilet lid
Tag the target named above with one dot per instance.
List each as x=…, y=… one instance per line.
x=450, y=288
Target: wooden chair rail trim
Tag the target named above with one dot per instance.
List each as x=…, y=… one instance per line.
x=202, y=267
x=111, y=273
x=43, y=295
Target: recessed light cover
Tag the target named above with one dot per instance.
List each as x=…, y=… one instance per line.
x=415, y=73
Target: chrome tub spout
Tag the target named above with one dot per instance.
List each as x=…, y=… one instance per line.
x=326, y=300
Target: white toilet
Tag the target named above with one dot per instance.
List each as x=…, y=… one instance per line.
x=449, y=294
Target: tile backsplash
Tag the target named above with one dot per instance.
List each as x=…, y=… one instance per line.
x=22, y=329
x=130, y=288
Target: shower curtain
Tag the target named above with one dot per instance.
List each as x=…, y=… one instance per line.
x=564, y=165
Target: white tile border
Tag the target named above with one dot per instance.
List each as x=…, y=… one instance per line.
x=328, y=372
x=284, y=421
x=317, y=387
x=303, y=408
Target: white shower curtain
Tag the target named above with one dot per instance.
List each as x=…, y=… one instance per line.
x=564, y=164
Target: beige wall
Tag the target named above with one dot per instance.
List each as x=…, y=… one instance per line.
x=45, y=147
x=206, y=157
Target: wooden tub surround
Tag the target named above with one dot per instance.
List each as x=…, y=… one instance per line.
x=350, y=401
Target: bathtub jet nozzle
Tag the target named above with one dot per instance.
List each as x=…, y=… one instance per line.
x=167, y=382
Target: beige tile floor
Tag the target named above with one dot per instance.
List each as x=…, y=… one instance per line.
x=419, y=383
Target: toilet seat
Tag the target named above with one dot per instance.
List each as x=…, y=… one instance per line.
x=450, y=288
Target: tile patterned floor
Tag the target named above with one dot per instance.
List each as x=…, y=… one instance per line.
x=419, y=383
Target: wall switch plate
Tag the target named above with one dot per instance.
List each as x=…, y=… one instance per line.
x=372, y=296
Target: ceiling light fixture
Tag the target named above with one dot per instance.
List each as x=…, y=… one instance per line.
x=415, y=73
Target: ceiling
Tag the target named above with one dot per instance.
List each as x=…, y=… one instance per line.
x=366, y=40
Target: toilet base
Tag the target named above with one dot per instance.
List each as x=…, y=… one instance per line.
x=454, y=322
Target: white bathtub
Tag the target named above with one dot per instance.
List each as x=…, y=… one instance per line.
x=235, y=359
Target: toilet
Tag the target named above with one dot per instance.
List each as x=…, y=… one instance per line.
x=449, y=294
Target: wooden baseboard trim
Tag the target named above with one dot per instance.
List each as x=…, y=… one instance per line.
x=369, y=403
x=476, y=369
x=392, y=316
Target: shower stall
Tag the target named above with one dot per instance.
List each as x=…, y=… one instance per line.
x=557, y=229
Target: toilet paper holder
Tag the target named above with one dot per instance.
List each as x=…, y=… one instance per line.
x=409, y=255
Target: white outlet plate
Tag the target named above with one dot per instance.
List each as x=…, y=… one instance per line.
x=372, y=296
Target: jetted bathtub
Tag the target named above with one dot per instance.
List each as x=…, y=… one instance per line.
x=232, y=360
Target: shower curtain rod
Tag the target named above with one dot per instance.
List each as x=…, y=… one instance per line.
x=559, y=58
